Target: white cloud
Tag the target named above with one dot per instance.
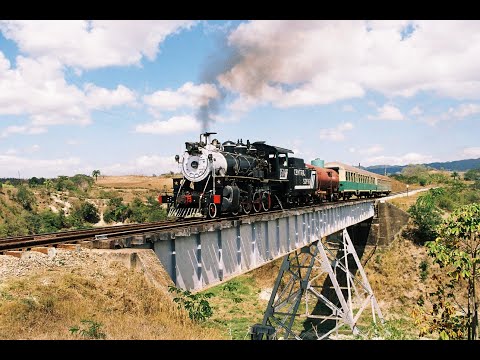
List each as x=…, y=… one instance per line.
x=188, y=95
x=458, y=113
x=28, y=130
x=143, y=165
x=388, y=112
x=98, y=98
x=176, y=124
x=37, y=88
x=242, y=104
x=10, y=165
x=464, y=110
x=409, y=158
x=291, y=63
x=416, y=111
x=337, y=133
x=33, y=148
x=92, y=44
x=374, y=149
x=348, y=108
x=73, y=142
x=472, y=152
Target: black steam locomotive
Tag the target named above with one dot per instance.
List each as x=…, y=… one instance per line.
x=237, y=178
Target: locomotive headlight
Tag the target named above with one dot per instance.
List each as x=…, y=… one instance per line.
x=194, y=164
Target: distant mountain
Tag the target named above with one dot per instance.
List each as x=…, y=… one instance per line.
x=458, y=165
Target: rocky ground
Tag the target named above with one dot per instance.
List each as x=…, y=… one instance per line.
x=32, y=262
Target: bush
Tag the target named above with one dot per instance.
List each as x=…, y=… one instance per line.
x=476, y=185
x=116, y=210
x=426, y=215
x=46, y=222
x=25, y=197
x=472, y=175
x=34, y=181
x=89, y=213
x=85, y=211
x=197, y=305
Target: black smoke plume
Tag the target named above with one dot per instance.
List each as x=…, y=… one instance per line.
x=224, y=58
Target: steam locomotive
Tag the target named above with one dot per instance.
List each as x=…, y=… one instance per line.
x=232, y=178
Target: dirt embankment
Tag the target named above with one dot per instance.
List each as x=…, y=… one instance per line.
x=45, y=297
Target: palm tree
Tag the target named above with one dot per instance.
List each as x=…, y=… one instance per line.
x=95, y=174
x=455, y=175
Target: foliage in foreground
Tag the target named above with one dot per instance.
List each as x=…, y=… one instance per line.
x=457, y=250
x=197, y=305
x=88, y=329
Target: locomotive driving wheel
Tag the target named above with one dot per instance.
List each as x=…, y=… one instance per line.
x=246, y=206
x=212, y=211
x=266, y=201
x=257, y=201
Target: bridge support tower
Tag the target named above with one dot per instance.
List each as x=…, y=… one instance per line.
x=320, y=289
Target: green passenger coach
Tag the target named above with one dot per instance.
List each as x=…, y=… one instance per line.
x=358, y=182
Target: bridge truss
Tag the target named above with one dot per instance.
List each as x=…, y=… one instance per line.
x=320, y=288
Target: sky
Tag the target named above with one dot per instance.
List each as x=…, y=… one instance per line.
x=123, y=97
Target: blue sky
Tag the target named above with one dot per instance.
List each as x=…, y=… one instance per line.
x=124, y=96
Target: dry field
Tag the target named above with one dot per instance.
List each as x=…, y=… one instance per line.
x=135, y=182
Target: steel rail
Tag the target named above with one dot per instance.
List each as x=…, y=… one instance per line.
x=109, y=232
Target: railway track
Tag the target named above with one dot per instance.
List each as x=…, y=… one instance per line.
x=109, y=232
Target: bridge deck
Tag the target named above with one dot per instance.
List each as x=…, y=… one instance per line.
x=198, y=257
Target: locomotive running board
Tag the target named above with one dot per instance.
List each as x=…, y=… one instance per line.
x=185, y=213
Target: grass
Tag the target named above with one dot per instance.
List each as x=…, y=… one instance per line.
x=236, y=307
x=405, y=202
x=118, y=304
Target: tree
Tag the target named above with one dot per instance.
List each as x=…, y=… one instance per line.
x=96, y=174
x=34, y=181
x=89, y=212
x=25, y=197
x=415, y=171
x=116, y=210
x=457, y=249
x=472, y=175
x=48, y=185
x=455, y=175
x=425, y=215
